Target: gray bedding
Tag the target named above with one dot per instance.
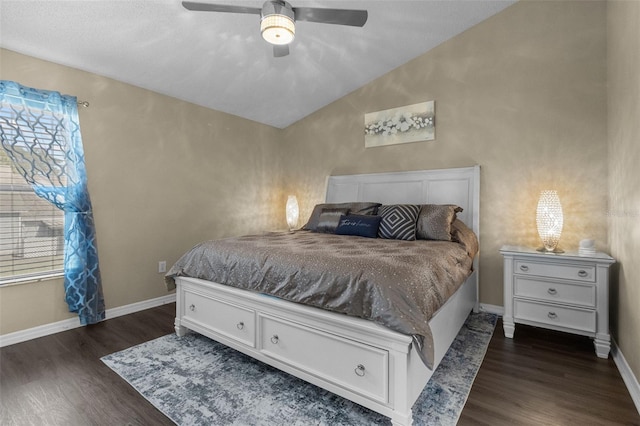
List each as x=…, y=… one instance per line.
x=399, y=284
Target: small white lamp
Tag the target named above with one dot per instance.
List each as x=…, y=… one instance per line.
x=549, y=220
x=292, y=212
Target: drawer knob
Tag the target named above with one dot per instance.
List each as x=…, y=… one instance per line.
x=359, y=370
x=582, y=273
x=240, y=325
x=274, y=339
x=524, y=268
x=552, y=291
x=192, y=307
x=552, y=315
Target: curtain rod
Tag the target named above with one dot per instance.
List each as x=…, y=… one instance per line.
x=83, y=104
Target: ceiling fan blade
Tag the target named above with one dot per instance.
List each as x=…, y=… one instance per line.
x=208, y=7
x=355, y=18
x=280, y=50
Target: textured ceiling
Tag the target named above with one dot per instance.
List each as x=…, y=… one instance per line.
x=220, y=61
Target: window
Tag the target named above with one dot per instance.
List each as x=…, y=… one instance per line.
x=31, y=228
x=40, y=135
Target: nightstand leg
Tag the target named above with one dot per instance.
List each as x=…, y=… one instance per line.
x=508, y=326
x=602, y=343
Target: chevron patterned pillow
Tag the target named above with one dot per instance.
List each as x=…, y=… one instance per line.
x=398, y=221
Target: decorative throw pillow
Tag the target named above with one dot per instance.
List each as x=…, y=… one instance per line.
x=328, y=220
x=355, y=207
x=360, y=225
x=434, y=221
x=398, y=221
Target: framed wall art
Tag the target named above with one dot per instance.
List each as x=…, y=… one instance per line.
x=411, y=123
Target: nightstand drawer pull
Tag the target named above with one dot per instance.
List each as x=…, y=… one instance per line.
x=552, y=315
x=552, y=291
x=582, y=273
x=359, y=370
x=192, y=308
x=240, y=325
x=274, y=339
x=524, y=268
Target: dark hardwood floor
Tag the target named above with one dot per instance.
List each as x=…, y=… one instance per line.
x=539, y=378
x=542, y=377
x=60, y=380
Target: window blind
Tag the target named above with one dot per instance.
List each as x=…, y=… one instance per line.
x=31, y=228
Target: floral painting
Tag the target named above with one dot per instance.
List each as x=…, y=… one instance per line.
x=406, y=124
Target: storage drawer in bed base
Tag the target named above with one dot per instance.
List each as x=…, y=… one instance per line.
x=222, y=317
x=347, y=363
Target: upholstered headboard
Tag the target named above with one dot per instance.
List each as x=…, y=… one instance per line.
x=460, y=186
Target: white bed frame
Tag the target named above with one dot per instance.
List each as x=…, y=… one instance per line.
x=354, y=358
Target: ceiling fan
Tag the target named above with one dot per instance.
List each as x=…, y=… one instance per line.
x=278, y=19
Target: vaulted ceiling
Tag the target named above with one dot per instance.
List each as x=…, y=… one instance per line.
x=220, y=61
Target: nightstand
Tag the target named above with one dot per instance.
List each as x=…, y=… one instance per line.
x=565, y=292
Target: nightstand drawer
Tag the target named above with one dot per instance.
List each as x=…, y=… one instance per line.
x=559, y=316
x=573, y=294
x=586, y=273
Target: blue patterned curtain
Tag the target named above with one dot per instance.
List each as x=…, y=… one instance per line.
x=41, y=135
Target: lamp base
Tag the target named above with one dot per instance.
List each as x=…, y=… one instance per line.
x=544, y=250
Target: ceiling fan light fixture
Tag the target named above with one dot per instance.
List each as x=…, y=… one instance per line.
x=278, y=19
x=278, y=29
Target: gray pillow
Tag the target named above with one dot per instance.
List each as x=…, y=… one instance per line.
x=329, y=220
x=434, y=221
x=357, y=207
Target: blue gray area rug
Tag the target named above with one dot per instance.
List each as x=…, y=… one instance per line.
x=196, y=381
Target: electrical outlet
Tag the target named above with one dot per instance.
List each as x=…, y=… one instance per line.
x=162, y=266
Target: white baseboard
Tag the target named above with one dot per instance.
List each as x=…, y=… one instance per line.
x=64, y=325
x=627, y=374
x=140, y=306
x=492, y=309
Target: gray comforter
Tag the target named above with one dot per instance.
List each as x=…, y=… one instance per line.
x=399, y=284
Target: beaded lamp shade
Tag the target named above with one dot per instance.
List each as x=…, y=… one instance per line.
x=549, y=220
x=292, y=212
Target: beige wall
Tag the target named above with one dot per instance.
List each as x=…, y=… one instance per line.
x=522, y=94
x=163, y=175
x=623, y=54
